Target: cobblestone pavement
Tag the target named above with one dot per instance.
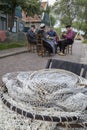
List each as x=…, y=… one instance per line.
x=31, y=61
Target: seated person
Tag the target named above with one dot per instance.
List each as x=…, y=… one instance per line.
x=32, y=35
x=47, y=43
x=53, y=35
x=68, y=39
x=51, y=32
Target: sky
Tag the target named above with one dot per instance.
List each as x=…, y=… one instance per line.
x=51, y=2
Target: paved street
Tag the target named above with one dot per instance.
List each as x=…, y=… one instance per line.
x=31, y=61
x=24, y=62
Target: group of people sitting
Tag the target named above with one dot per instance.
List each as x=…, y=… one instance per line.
x=51, y=40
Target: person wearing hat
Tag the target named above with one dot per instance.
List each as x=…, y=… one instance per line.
x=32, y=35
x=47, y=43
x=42, y=25
x=68, y=40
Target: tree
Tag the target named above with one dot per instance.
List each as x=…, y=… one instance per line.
x=70, y=11
x=52, y=20
x=65, y=11
x=30, y=6
x=82, y=15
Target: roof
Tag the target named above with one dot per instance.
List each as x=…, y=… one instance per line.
x=36, y=17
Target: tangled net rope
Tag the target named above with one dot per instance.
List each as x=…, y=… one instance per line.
x=48, y=95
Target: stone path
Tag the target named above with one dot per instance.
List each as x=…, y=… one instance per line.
x=15, y=60
x=31, y=61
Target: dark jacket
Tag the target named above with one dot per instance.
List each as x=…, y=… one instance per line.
x=43, y=33
x=31, y=36
x=48, y=44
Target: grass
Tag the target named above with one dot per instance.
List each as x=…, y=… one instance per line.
x=85, y=41
x=5, y=45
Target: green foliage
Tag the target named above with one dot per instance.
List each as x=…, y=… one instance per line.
x=47, y=9
x=69, y=11
x=58, y=30
x=52, y=20
x=85, y=41
x=30, y=6
x=65, y=11
x=80, y=26
x=4, y=46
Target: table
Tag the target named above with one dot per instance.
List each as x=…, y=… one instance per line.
x=49, y=95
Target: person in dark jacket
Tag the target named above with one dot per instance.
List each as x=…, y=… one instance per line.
x=47, y=43
x=32, y=35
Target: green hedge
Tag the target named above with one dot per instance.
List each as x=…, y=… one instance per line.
x=4, y=46
x=85, y=41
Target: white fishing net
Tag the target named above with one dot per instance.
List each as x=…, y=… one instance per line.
x=52, y=92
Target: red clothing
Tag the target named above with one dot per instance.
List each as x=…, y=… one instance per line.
x=70, y=35
x=57, y=38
